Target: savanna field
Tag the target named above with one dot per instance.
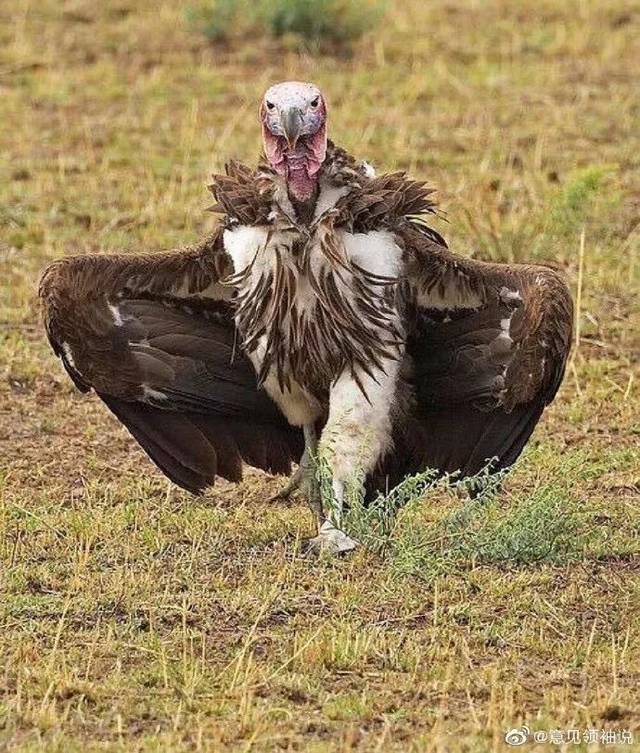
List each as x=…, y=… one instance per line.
x=134, y=617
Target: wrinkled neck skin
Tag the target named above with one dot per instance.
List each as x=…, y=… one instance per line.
x=300, y=167
x=302, y=181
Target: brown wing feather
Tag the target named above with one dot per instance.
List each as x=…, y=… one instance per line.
x=488, y=344
x=153, y=335
x=535, y=299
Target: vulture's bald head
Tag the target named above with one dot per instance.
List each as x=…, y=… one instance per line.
x=294, y=132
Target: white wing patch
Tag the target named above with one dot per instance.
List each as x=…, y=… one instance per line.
x=243, y=243
x=377, y=252
x=66, y=349
x=510, y=295
x=117, y=316
x=369, y=170
x=328, y=198
x=152, y=396
x=505, y=326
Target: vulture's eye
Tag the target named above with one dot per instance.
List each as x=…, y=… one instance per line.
x=270, y=105
x=314, y=102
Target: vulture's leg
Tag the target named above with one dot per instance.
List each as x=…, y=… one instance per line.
x=304, y=479
x=310, y=461
x=330, y=537
x=355, y=436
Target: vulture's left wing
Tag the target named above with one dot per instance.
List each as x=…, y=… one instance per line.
x=154, y=336
x=489, y=344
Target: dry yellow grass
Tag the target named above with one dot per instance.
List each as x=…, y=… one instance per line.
x=137, y=620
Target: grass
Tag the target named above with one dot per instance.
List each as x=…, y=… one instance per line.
x=137, y=619
x=303, y=24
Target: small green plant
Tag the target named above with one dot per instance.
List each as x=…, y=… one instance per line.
x=316, y=21
x=574, y=201
x=547, y=526
x=311, y=22
x=544, y=221
x=218, y=19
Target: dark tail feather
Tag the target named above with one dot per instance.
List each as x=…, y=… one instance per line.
x=258, y=444
x=458, y=439
x=192, y=448
x=497, y=435
x=171, y=440
x=466, y=438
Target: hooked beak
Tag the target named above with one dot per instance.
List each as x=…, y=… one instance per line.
x=291, y=121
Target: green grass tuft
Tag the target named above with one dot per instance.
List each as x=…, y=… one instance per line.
x=315, y=21
x=219, y=19
x=312, y=22
x=571, y=207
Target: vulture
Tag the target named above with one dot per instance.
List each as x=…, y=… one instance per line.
x=322, y=318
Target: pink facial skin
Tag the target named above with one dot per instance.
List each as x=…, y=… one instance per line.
x=294, y=133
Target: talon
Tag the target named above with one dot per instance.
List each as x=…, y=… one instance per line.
x=330, y=540
x=293, y=485
x=304, y=481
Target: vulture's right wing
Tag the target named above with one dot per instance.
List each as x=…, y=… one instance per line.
x=154, y=336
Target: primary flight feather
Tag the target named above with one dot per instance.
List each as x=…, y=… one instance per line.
x=322, y=316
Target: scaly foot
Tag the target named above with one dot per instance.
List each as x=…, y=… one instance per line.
x=295, y=483
x=331, y=540
x=304, y=481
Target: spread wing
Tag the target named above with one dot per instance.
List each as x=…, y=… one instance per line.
x=489, y=344
x=153, y=335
